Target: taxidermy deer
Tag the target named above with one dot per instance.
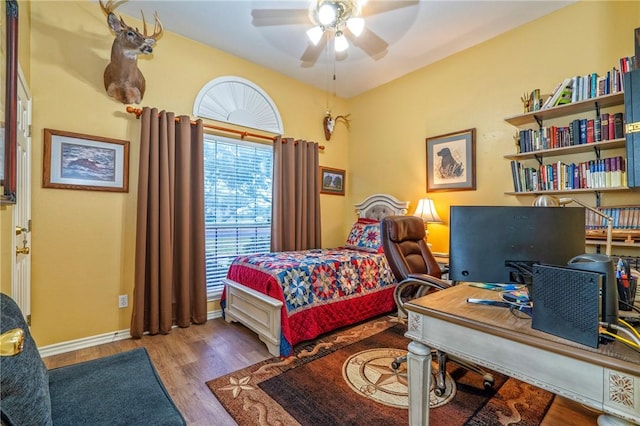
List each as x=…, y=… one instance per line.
x=329, y=123
x=122, y=78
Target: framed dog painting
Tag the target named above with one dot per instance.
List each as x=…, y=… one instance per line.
x=451, y=162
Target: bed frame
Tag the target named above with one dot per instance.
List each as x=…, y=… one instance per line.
x=261, y=313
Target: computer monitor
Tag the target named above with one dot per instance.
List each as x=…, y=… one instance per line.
x=500, y=244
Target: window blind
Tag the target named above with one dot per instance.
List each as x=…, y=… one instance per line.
x=237, y=201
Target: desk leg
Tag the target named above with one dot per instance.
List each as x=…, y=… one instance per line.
x=419, y=376
x=609, y=420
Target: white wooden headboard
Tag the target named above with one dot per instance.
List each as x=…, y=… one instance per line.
x=377, y=206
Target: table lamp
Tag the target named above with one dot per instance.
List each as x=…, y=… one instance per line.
x=551, y=201
x=427, y=211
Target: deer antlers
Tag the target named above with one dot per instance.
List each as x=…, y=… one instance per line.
x=329, y=123
x=122, y=78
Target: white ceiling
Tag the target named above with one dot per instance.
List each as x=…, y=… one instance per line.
x=419, y=34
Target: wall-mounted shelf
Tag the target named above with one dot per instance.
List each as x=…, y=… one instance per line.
x=574, y=149
x=571, y=191
x=568, y=109
x=614, y=243
x=523, y=174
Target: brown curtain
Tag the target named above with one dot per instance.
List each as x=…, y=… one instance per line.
x=295, y=220
x=170, y=286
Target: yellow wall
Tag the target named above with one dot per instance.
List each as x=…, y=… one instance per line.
x=478, y=88
x=83, y=241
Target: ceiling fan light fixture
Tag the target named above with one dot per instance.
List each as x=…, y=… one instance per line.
x=327, y=14
x=315, y=34
x=341, y=43
x=356, y=26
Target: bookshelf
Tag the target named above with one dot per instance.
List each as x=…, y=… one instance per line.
x=593, y=104
x=558, y=154
x=575, y=149
x=590, y=106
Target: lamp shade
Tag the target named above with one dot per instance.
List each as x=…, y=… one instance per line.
x=546, y=201
x=327, y=14
x=341, y=43
x=356, y=26
x=315, y=34
x=427, y=211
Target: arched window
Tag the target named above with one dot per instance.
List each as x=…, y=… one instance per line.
x=238, y=101
x=237, y=175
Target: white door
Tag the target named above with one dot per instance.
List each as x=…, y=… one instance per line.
x=21, y=283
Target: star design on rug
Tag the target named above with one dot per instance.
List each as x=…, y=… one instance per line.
x=387, y=375
x=238, y=385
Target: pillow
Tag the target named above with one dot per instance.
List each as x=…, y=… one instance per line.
x=24, y=379
x=365, y=236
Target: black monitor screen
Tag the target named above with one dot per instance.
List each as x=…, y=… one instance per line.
x=498, y=244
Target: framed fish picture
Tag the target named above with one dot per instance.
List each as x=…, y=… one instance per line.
x=77, y=161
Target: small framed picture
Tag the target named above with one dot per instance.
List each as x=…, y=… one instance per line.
x=332, y=181
x=451, y=163
x=77, y=161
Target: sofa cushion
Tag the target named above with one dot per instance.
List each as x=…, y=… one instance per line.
x=24, y=381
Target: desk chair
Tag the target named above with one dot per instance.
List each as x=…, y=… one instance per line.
x=418, y=273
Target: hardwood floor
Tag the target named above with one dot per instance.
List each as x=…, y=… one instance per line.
x=188, y=357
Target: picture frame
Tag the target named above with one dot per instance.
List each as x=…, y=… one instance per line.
x=332, y=181
x=451, y=162
x=79, y=161
x=8, y=100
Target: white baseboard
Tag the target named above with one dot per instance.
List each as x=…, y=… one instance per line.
x=85, y=342
x=100, y=339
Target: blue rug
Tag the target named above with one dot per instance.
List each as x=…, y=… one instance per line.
x=115, y=390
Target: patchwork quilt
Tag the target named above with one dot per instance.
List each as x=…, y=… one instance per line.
x=321, y=289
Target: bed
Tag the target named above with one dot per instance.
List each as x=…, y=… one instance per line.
x=289, y=297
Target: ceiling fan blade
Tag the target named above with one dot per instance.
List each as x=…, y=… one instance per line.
x=267, y=17
x=371, y=43
x=375, y=7
x=311, y=53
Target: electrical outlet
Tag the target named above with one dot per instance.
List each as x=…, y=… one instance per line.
x=123, y=301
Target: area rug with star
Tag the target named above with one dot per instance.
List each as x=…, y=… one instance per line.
x=346, y=378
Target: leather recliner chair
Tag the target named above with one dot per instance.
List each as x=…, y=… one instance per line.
x=418, y=273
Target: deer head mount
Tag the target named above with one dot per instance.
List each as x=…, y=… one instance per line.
x=329, y=123
x=122, y=78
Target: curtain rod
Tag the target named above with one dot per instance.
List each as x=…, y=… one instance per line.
x=243, y=134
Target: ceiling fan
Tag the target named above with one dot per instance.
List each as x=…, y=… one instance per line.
x=340, y=20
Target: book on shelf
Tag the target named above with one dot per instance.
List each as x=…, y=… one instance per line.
x=556, y=93
x=515, y=174
x=582, y=138
x=553, y=93
x=597, y=129
x=618, y=128
x=565, y=96
x=593, y=85
x=590, y=131
x=602, y=86
x=604, y=125
x=559, y=176
x=589, y=86
x=624, y=218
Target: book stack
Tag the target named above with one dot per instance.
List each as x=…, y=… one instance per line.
x=593, y=85
x=579, y=131
x=558, y=176
x=626, y=223
x=624, y=217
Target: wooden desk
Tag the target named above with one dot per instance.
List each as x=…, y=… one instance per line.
x=607, y=378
